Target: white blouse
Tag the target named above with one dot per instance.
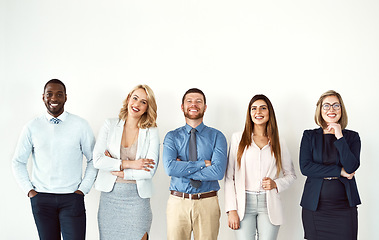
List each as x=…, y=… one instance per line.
x=258, y=162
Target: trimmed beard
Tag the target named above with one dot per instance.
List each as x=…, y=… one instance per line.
x=198, y=116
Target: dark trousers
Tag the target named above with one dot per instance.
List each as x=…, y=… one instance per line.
x=56, y=213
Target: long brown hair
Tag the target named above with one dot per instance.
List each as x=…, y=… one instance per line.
x=271, y=131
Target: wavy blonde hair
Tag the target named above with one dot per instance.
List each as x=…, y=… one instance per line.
x=318, y=117
x=148, y=119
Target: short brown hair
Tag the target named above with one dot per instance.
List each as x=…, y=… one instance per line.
x=318, y=118
x=148, y=119
x=194, y=90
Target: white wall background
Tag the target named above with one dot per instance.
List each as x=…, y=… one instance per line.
x=292, y=51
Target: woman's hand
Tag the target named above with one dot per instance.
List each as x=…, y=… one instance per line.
x=347, y=175
x=118, y=173
x=268, y=183
x=336, y=127
x=140, y=164
x=107, y=154
x=233, y=220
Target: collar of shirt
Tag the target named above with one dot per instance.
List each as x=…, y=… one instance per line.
x=61, y=117
x=199, y=128
x=264, y=147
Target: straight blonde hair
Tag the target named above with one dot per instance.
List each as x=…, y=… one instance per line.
x=318, y=117
x=148, y=119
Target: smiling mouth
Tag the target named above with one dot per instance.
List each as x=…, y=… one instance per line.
x=332, y=115
x=53, y=105
x=135, y=109
x=194, y=110
x=259, y=117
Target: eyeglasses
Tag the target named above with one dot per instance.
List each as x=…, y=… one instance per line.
x=335, y=106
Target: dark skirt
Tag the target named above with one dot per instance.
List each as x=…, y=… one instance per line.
x=334, y=218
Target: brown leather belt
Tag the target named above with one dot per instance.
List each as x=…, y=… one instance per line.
x=195, y=196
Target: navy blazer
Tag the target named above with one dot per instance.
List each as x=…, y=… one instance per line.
x=349, y=147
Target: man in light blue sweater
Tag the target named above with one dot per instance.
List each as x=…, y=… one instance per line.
x=57, y=142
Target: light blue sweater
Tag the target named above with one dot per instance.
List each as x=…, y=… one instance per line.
x=57, y=155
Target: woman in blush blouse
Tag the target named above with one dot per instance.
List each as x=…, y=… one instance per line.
x=329, y=157
x=259, y=169
x=126, y=154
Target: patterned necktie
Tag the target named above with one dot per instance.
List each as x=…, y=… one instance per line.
x=55, y=121
x=192, y=155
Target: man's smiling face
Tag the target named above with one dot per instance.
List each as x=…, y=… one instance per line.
x=54, y=98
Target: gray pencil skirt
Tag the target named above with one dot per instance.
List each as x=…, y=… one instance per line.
x=123, y=214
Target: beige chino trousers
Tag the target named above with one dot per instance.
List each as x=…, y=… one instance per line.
x=202, y=217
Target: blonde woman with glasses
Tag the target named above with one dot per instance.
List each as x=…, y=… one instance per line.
x=329, y=158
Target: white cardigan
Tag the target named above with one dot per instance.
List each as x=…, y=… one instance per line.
x=110, y=139
x=235, y=182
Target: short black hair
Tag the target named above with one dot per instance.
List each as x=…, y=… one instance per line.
x=194, y=90
x=55, y=81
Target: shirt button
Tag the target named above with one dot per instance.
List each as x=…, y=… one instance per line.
x=189, y=171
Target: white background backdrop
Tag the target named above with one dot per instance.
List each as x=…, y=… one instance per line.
x=292, y=51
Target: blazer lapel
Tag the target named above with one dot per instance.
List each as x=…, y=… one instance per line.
x=141, y=147
x=243, y=166
x=318, y=142
x=116, y=140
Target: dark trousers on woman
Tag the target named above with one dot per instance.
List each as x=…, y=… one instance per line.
x=59, y=213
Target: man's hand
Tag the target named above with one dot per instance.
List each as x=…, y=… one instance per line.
x=208, y=163
x=32, y=193
x=79, y=192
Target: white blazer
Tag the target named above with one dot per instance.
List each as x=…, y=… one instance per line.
x=110, y=139
x=235, y=182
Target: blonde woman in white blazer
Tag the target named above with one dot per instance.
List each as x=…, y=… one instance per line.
x=259, y=168
x=126, y=154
